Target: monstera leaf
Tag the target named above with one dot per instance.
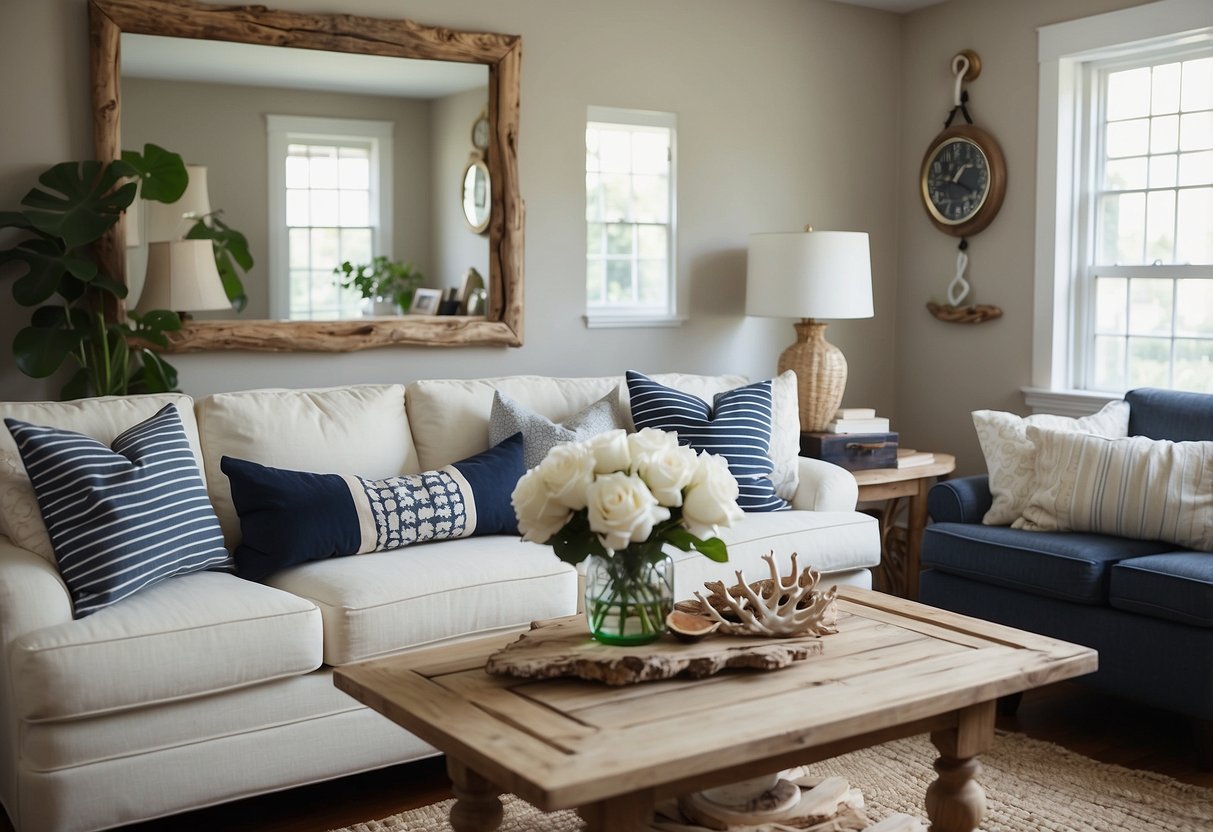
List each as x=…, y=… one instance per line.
x=45, y=264
x=80, y=201
x=161, y=173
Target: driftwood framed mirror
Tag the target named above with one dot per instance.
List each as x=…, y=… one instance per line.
x=501, y=323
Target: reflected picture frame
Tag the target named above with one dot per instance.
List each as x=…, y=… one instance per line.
x=425, y=302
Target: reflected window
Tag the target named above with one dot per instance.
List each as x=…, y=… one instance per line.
x=629, y=176
x=330, y=201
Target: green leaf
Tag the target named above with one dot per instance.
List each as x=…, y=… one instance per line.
x=157, y=320
x=40, y=351
x=14, y=219
x=162, y=173
x=681, y=538
x=714, y=548
x=44, y=267
x=49, y=316
x=79, y=386
x=155, y=376
x=81, y=201
x=112, y=287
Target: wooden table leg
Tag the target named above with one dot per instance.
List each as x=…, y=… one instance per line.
x=629, y=813
x=915, y=525
x=477, y=807
x=955, y=801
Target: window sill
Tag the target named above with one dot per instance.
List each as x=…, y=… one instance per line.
x=1065, y=402
x=631, y=321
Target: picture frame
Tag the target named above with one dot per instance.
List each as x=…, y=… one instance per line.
x=425, y=302
x=473, y=282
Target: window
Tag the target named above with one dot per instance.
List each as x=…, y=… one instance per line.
x=629, y=212
x=330, y=201
x=1125, y=192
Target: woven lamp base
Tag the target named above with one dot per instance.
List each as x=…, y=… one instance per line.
x=821, y=374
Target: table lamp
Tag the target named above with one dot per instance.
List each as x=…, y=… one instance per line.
x=173, y=220
x=810, y=275
x=181, y=276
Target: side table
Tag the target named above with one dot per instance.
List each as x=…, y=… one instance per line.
x=899, y=560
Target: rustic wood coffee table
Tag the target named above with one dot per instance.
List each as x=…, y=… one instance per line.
x=896, y=668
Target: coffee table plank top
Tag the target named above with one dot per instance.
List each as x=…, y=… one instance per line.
x=894, y=668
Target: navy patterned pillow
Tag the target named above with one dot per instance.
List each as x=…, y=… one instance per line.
x=292, y=517
x=737, y=426
x=122, y=517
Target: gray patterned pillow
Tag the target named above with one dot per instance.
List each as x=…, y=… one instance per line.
x=540, y=434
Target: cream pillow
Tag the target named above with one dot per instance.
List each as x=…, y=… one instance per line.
x=1149, y=489
x=1010, y=454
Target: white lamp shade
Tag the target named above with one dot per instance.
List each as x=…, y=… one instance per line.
x=182, y=277
x=173, y=220
x=810, y=274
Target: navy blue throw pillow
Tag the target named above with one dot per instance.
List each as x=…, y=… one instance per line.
x=737, y=426
x=125, y=516
x=292, y=517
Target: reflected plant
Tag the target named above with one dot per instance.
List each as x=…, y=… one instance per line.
x=231, y=250
x=383, y=279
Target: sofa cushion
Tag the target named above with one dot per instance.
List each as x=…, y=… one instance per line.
x=737, y=425
x=358, y=429
x=1066, y=565
x=540, y=434
x=125, y=516
x=1177, y=586
x=101, y=418
x=1011, y=456
x=382, y=603
x=1178, y=415
x=194, y=635
x=1150, y=489
x=291, y=517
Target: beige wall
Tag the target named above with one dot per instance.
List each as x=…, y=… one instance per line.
x=787, y=114
x=945, y=371
x=456, y=248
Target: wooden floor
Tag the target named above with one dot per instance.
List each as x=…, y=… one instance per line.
x=1099, y=726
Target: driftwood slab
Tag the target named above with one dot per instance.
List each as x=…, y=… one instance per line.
x=564, y=648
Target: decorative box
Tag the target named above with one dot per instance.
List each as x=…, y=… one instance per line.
x=853, y=451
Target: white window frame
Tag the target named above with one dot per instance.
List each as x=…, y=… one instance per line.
x=631, y=316
x=1064, y=50
x=282, y=131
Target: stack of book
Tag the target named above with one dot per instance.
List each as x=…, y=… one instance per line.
x=856, y=438
x=857, y=420
x=910, y=458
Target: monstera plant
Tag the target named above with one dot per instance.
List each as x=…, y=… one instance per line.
x=57, y=275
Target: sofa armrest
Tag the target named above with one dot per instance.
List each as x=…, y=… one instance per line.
x=825, y=486
x=32, y=595
x=960, y=500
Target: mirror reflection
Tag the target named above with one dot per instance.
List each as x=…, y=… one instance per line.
x=322, y=160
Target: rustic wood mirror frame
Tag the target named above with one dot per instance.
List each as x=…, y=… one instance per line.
x=502, y=54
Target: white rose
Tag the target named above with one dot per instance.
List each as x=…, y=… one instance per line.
x=622, y=510
x=650, y=441
x=711, y=499
x=610, y=451
x=539, y=516
x=667, y=472
x=567, y=472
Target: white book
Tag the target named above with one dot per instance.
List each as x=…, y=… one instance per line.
x=855, y=413
x=909, y=458
x=876, y=424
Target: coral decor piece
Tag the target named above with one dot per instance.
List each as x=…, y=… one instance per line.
x=776, y=607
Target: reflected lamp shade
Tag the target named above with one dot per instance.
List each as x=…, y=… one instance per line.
x=809, y=275
x=182, y=277
x=173, y=220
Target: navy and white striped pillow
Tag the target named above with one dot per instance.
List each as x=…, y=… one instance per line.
x=737, y=427
x=124, y=517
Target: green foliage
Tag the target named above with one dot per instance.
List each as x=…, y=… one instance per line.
x=231, y=250
x=57, y=275
x=382, y=278
x=576, y=540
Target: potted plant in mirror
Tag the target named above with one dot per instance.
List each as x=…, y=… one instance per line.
x=388, y=284
x=58, y=276
x=231, y=250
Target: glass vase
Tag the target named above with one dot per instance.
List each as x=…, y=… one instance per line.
x=627, y=597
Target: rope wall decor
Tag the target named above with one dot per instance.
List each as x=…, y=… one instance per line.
x=962, y=183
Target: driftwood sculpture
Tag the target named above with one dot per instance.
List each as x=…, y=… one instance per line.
x=776, y=607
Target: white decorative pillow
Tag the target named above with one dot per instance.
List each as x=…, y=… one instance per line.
x=1011, y=456
x=1148, y=489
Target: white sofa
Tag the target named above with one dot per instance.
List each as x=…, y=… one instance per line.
x=207, y=688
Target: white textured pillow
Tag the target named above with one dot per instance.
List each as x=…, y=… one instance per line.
x=1148, y=489
x=1010, y=454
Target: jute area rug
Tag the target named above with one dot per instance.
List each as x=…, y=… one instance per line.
x=1031, y=786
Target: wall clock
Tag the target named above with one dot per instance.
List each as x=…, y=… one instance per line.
x=963, y=180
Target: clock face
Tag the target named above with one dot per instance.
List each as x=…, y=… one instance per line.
x=963, y=180
x=957, y=181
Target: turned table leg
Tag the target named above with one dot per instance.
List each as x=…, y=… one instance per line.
x=956, y=802
x=628, y=813
x=477, y=807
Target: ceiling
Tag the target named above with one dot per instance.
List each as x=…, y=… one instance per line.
x=899, y=6
x=186, y=59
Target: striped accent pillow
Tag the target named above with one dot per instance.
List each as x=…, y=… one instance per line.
x=123, y=517
x=737, y=426
x=1148, y=489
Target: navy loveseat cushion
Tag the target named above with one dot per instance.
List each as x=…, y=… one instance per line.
x=1175, y=585
x=1170, y=414
x=960, y=500
x=1071, y=566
